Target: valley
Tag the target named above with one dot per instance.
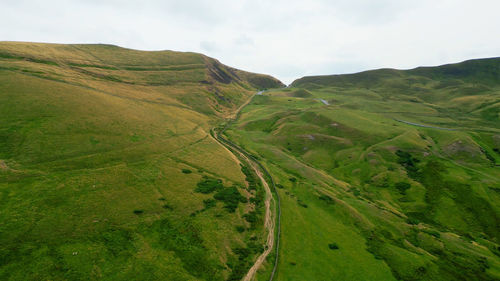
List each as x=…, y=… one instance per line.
x=118, y=164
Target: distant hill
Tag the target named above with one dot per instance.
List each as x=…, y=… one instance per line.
x=479, y=70
x=466, y=87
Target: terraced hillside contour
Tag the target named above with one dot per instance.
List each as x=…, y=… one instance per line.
x=108, y=171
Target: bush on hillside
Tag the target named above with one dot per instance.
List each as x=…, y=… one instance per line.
x=333, y=246
x=209, y=203
x=402, y=187
x=231, y=197
x=327, y=199
x=250, y=178
x=413, y=221
x=301, y=203
x=251, y=217
x=406, y=160
x=208, y=185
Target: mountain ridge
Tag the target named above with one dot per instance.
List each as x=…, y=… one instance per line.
x=449, y=68
x=144, y=68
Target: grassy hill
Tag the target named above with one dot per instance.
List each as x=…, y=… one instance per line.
x=464, y=90
x=384, y=174
x=107, y=169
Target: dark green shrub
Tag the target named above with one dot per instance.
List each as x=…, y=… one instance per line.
x=251, y=217
x=242, y=264
x=258, y=199
x=433, y=233
x=355, y=191
x=253, y=200
x=138, y=212
x=402, y=187
x=231, y=197
x=255, y=247
x=186, y=171
x=209, y=203
x=302, y=204
x=327, y=199
x=333, y=246
x=242, y=253
x=406, y=160
x=292, y=179
x=250, y=178
x=208, y=185
x=488, y=156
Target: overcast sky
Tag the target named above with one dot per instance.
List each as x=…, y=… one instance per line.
x=285, y=38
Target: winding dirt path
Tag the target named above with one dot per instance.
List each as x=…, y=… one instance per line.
x=270, y=203
x=268, y=223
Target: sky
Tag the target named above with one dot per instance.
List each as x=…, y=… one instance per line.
x=287, y=39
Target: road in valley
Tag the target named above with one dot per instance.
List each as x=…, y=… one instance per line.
x=425, y=126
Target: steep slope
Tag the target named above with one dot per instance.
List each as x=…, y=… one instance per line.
x=385, y=174
x=107, y=169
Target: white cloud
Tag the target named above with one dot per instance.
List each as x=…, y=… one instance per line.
x=287, y=39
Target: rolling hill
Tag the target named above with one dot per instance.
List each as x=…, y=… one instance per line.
x=105, y=161
x=385, y=174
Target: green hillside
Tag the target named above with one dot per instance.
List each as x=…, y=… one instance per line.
x=114, y=166
x=102, y=154
x=384, y=174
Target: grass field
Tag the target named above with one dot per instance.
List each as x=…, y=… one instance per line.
x=101, y=152
x=365, y=197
